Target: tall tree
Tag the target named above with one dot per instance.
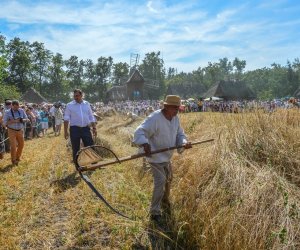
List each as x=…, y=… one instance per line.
x=103, y=72
x=239, y=66
x=74, y=72
x=40, y=57
x=292, y=77
x=19, y=64
x=225, y=68
x=89, y=87
x=3, y=60
x=212, y=74
x=171, y=73
x=56, y=88
x=152, y=68
x=120, y=72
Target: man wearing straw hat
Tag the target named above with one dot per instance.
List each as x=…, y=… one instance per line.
x=160, y=130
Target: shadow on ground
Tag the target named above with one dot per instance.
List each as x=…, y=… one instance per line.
x=66, y=183
x=7, y=168
x=162, y=234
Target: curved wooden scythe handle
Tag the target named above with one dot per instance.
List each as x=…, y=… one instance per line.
x=132, y=157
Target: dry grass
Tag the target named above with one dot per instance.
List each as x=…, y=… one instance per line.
x=241, y=192
x=244, y=192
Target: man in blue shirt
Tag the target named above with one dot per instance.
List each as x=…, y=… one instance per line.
x=14, y=120
x=79, y=116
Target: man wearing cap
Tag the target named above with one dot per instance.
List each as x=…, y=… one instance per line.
x=159, y=130
x=14, y=119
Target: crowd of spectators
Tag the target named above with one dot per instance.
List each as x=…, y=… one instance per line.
x=139, y=108
x=40, y=119
x=142, y=107
x=240, y=106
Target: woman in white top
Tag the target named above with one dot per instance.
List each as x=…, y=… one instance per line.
x=58, y=114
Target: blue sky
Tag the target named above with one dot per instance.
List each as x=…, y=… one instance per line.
x=188, y=33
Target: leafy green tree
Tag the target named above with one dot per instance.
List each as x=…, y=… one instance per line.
x=8, y=92
x=19, y=64
x=171, y=73
x=212, y=74
x=40, y=58
x=3, y=60
x=57, y=88
x=103, y=72
x=89, y=80
x=225, y=68
x=152, y=68
x=74, y=72
x=259, y=81
x=239, y=66
x=3, y=67
x=293, y=76
x=89, y=71
x=120, y=72
x=296, y=68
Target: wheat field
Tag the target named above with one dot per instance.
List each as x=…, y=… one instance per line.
x=239, y=192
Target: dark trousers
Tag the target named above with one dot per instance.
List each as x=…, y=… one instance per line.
x=53, y=123
x=6, y=143
x=77, y=133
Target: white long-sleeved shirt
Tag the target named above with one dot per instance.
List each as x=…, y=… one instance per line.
x=79, y=114
x=160, y=133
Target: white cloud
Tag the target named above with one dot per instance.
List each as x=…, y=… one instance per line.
x=178, y=31
x=150, y=8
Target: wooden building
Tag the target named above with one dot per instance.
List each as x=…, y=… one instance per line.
x=297, y=93
x=230, y=90
x=132, y=89
x=33, y=96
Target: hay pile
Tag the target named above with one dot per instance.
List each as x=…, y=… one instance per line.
x=244, y=192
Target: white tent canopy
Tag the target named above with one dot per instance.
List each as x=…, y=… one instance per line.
x=213, y=98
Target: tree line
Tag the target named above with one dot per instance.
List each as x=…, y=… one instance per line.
x=24, y=65
x=267, y=83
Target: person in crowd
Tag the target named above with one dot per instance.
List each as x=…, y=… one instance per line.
x=36, y=127
x=44, y=120
x=149, y=110
x=79, y=116
x=58, y=115
x=200, y=105
x=7, y=107
x=51, y=111
x=2, y=133
x=28, y=126
x=34, y=132
x=14, y=119
x=160, y=130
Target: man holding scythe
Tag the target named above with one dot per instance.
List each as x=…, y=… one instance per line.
x=160, y=130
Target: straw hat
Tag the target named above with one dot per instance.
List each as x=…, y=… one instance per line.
x=172, y=100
